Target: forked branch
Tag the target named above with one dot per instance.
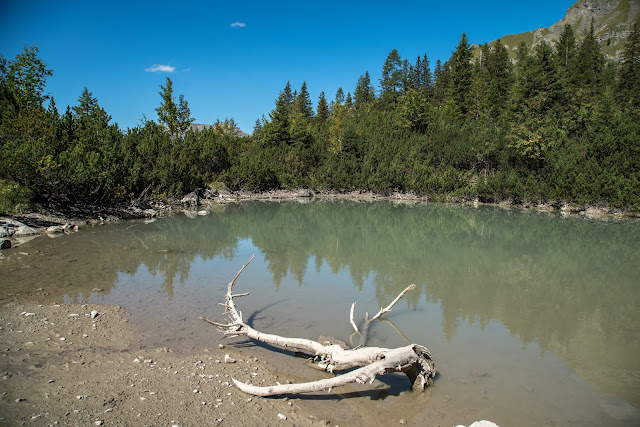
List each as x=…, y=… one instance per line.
x=413, y=360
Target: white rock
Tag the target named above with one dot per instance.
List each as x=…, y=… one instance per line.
x=94, y=314
x=229, y=359
x=482, y=423
x=282, y=416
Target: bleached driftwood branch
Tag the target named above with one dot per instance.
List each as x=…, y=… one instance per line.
x=414, y=360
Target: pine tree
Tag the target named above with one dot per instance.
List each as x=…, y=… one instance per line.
x=441, y=82
x=177, y=118
x=277, y=130
x=339, y=99
x=392, y=79
x=425, y=77
x=460, y=77
x=629, y=74
x=364, y=93
x=499, y=72
x=322, y=111
x=566, y=47
x=184, y=115
x=88, y=109
x=348, y=102
x=168, y=110
x=302, y=104
x=589, y=63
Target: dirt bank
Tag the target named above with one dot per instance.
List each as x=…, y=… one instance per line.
x=61, y=366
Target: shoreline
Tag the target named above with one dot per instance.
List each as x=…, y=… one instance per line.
x=73, y=363
x=20, y=227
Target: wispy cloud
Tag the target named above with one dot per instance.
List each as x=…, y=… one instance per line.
x=239, y=24
x=163, y=68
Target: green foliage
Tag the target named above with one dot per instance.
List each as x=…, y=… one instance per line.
x=177, y=118
x=14, y=197
x=561, y=124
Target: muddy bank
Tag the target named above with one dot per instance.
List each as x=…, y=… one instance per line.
x=80, y=364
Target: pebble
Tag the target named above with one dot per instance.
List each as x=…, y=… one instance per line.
x=229, y=359
x=94, y=314
x=99, y=422
x=63, y=339
x=282, y=416
x=20, y=399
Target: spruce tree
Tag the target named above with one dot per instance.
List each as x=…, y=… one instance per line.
x=629, y=74
x=392, y=80
x=500, y=77
x=441, y=82
x=322, y=111
x=302, y=104
x=460, y=77
x=589, y=63
x=364, y=93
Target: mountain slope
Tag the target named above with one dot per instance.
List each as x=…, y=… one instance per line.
x=612, y=20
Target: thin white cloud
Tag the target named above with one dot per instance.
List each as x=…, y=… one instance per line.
x=163, y=68
x=239, y=24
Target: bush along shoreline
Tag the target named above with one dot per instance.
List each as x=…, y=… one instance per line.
x=559, y=126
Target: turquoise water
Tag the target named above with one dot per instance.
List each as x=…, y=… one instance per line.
x=532, y=317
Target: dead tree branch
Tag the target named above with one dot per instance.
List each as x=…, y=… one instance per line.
x=413, y=360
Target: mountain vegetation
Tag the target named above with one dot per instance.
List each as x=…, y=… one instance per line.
x=559, y=123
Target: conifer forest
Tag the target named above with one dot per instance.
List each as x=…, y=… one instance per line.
x=553, y=124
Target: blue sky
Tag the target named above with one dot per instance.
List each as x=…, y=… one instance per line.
x=231, y=59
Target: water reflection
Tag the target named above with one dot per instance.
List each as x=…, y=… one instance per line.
x=569, y=285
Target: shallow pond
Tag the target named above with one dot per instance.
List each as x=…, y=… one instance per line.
x=532, y=318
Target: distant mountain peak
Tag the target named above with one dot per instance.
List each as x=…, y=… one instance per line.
x=612, y=21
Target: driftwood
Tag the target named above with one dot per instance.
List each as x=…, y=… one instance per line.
x=367, y=362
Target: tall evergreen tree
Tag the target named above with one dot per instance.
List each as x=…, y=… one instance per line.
x=589, y=62
x=364, y=93
x=629, y=74
x=177, y=118
x=441, y=82
x=499, y=73
x=392, y=80
x=278, y=128
x=184, y=115
x=168, y=110
x=566, y=47
x=460, y=77
x=88, y=109
x=339, y=99
x=302, y=104
x=322, y=111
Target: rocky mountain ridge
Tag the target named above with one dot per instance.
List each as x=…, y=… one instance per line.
x=612, y=22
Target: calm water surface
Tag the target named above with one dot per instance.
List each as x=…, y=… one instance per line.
x=532, y=318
